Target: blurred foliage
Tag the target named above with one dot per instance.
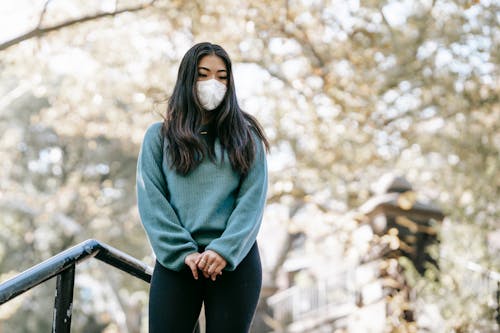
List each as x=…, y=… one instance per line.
x=346, y=90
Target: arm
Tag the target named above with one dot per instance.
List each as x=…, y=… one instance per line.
x=244, y=222
x=170, y=241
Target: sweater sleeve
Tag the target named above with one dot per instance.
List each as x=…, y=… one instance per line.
x=244, y=222
x=169, y=240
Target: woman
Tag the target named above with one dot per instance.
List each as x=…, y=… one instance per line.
x=201, y=189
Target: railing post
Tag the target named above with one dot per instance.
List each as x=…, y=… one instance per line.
x=63, y=304
x=498, y=303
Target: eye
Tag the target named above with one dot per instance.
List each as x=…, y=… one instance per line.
x=222, y=77
x=202, y=75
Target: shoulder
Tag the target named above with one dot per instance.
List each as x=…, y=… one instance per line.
x=257, y=134
x=153, y=133
x=257, y=140
x=153, y=138
x=154, y=128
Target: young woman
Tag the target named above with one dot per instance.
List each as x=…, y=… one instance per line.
x=201, y=189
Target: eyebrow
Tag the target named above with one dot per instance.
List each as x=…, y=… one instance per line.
x=207, y=69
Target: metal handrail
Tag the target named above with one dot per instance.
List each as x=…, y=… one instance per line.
x=61, y=262
x=63, y=265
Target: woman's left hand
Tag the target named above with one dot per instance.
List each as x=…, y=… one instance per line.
x=211, y=264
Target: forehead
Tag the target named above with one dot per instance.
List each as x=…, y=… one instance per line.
x=212, y=62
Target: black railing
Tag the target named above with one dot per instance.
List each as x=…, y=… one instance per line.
x=63, y=265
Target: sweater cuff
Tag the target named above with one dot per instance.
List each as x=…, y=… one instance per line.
x=176, y=264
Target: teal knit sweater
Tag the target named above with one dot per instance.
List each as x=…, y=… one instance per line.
x=211, y=207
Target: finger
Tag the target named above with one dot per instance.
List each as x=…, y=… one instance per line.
x=210, y=265
x=202, y=262
x=211, y=268
x=219, y=268
x=199, y=258
x=194, y=270
x=215, y=268
x=217, y=272
x=206, y=275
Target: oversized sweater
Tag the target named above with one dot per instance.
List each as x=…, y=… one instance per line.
x=212, y=207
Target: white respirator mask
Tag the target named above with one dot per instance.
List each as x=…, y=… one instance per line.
x=210, y=93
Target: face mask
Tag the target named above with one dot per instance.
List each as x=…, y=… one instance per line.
x=210, y=93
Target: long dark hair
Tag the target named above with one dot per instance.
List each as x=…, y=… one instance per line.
x=230, y=124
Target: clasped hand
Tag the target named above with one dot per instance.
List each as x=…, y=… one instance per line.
x=210, y=263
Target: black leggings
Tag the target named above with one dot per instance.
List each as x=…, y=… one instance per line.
x=175, y=298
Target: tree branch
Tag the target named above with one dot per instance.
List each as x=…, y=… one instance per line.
x=395, y=40
x=42, y=15
x=38, y=31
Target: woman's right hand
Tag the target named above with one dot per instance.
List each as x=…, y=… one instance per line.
x=211, y=264
x=191, y=260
